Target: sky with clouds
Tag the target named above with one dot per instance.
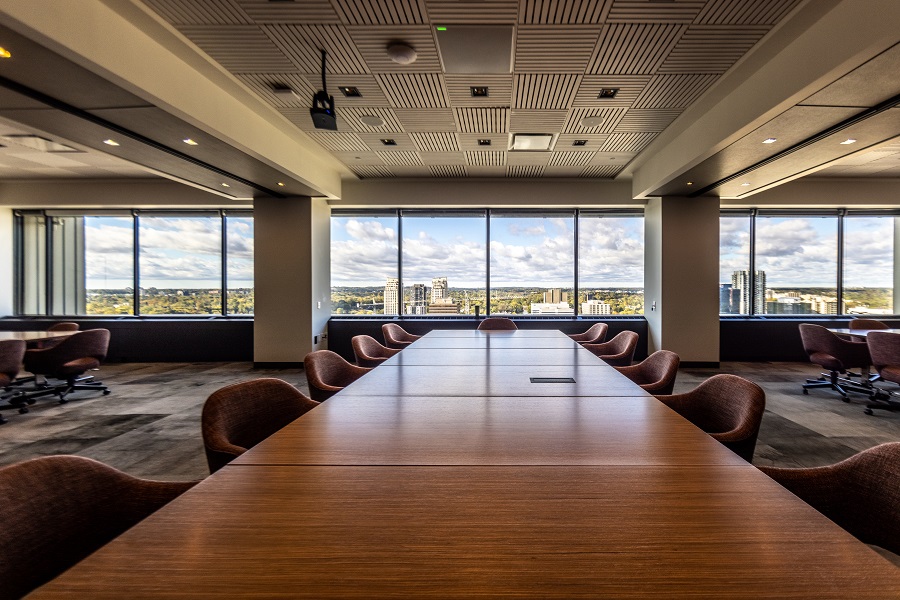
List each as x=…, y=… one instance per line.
x=525, y=251
x=175, y=252
x=802, y=251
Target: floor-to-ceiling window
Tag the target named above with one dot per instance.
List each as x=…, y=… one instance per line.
x=610, y=263
x=364, y=264
x=806, y=262
x=134, y=262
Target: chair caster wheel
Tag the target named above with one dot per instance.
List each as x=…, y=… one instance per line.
x=869, y=411
x=63, y=401
x=806, y=391
x=31, y=401
x=106, y=392
x=23, y=410
x=847, y=400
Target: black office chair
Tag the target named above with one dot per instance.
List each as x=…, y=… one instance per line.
x=836, y=354
x=11, y=354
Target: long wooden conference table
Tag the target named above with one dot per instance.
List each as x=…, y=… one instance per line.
x=446, y=472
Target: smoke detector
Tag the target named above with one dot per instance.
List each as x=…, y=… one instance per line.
x=401, y=53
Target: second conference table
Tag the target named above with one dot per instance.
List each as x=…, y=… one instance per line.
x=512, y=489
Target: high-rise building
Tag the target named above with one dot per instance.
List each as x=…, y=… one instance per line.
x=740, y=281
x=439, y=289
x=596, y=307
x=555, y=296
x=418, y=303
x=392, y=297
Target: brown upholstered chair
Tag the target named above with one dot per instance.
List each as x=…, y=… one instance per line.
x=858, y=324
x=836, y=354
x=57, y=510
x=368, y=352
x=61, y=326
x=656, y=373
x=68, y=361
x=884, y=348
x=727, y=407
x=595, y=334
x=617, y=352
x=239, y=416
x=861, y=493
x=497, y=323
x=396, y=337
x=11, y=354
x=327, y=373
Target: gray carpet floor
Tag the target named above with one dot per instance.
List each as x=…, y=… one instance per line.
x=149, y=425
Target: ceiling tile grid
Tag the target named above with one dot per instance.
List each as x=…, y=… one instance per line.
x=634, y=64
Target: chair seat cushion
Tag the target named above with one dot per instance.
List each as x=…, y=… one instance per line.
x=826, y=361
x=890, y=373
x=77, y=366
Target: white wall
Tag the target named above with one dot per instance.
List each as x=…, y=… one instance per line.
x=6, y=262
x=321, y=271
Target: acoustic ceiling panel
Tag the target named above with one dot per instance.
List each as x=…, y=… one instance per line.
x=370, y=92
x=711, y=49
x=592, y=141
x=745, y=12
x=634, y=48
x=602, y=171
x=381, y=12
x=354, y=115
x=525, y=171
x=376, y=142
x=308, y=11
x=544, y=48
x=540, y=159
x=239, y=48
x=654, y=11
x=563, y=12
x=545, y=90
x=476, y=12
x=570, y=159
x=628, y=142
x=643, y=120
x=435, y=141
x=336, y=141
x=610, y=118
x=426, y=119
x=628, y=87
x=537, y=121
x=674, y=91
x=371, y=172
x=303, y=44
x=414, y=90
x=372, y=43
x=459, y=89
x=192, y=12
x=356, y=159
x=482, y=120
x=449, y=171
x=494, y=158
x=263, y=85
x=409, y=159
x=443, y=158
x=470, y=141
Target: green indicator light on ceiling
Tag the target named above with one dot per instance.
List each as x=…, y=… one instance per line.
x=442, y=29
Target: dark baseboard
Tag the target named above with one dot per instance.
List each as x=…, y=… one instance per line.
x=278, y=365
x=699, y=364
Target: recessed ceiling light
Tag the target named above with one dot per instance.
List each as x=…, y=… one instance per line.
x=580, y=143
x=479, y=91
x=745, y=184
x=111, y=142
x=690, y=183
x=592, y=122
x=225, y=185
x=848, y=141
x=532, y=141
x=190, y=142
x=372, y=120
x=607, y=93
x=4, y=53
x=484, y=142
x=280, y=184
x=389, y=142
x=770, y=140
x=350, y=92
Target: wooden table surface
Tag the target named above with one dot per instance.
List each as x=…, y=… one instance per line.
x=32, y=336
x=522, y=495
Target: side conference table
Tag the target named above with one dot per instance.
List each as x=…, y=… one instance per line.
x=447, y=473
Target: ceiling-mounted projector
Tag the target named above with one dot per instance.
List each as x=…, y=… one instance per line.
x=322, y=111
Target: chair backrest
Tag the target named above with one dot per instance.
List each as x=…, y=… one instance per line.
x=56, y=510
x=884, y=348
x=89, y=344
x=328, y=373
x=369, y=353
x=239, y=416
x=396, y=337
x=595, y=334
x=822, y=345
x=497, y=323
x=63, y=326
x=656, y=373
x=728, y=407
x=11, y=354
x=867, y=324
x=617, y=352
x=861, y=493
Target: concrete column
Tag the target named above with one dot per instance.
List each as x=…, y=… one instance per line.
x=291, y=278
x=681, y=277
